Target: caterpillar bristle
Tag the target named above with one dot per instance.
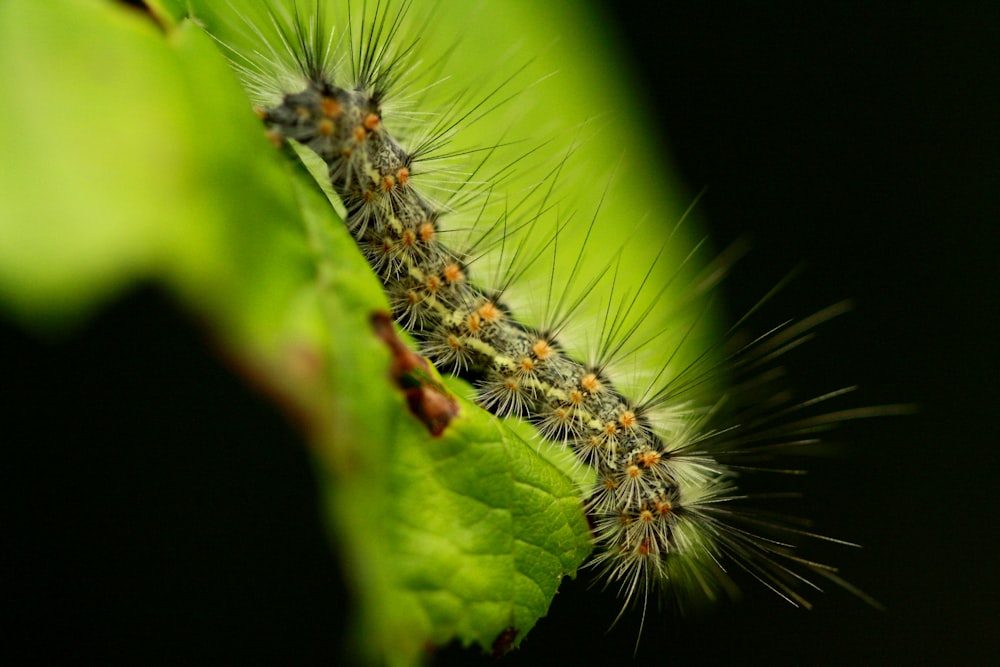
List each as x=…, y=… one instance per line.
x=665, y=505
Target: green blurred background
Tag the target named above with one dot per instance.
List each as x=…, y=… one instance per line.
x=859, y=140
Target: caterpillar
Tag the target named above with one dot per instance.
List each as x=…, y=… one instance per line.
x=662, y=497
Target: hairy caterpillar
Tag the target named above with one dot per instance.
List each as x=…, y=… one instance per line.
x=657, y=510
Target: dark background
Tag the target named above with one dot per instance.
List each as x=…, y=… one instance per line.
x=861, y=141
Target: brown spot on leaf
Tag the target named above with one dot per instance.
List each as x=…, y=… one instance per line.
x=504, y=641
x=427, y=399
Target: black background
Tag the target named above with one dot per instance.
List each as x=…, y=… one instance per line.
x=157, y=511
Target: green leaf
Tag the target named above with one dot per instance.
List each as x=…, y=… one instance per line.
x=461, y=537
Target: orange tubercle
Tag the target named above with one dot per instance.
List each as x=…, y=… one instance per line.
x=489, y=312
x=331, y=107
x=542, y=349
x=453, y=273
x=649, y=458
x=590, y=383
x=427, y=230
